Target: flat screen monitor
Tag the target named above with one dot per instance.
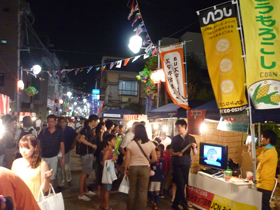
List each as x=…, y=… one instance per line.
x=213, y=155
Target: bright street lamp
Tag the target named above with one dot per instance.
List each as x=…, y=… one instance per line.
x=75, y=103
x=84, y=100
x=69, y=94
x=135, y=44
x=36, y=69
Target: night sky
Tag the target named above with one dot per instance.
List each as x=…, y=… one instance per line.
x=82, y=31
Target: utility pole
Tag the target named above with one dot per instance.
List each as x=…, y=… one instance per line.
x=158, y=84
x=18, y=56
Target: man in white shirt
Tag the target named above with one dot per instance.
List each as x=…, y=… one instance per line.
x=79, y=125
x=127, y=138
x=165, y=140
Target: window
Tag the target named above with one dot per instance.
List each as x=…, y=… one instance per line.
x=129, y=88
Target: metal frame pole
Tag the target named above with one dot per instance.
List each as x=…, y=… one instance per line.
x=252, y=126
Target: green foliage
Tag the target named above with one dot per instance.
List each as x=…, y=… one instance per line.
x=152, y=63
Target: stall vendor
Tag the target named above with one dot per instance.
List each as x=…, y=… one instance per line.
x=267, y=164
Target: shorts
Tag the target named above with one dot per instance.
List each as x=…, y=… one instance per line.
x=87, y=161
x=107, y=187
x=52, y=163
x=154, y=186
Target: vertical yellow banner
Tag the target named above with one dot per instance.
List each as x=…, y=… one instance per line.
x=262, y=41
x=224, y=57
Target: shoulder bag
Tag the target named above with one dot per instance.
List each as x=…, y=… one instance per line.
x=152, y=173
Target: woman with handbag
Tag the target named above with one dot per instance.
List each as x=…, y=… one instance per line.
x=137, y=167
x=31, y=168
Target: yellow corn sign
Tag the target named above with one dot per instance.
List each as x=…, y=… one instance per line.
x=262, y=41
x=224, y=57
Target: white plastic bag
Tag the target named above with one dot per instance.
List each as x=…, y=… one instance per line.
x=109, y=173
x=124, y=186
x=53, y=201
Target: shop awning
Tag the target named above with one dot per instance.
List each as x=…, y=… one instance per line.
x=212, y=111
x=116, y=113
x=4, y=104
x=170, y=110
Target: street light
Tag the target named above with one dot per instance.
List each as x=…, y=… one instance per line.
x=75, y=103
x=135, y=44
x=36, y=69
x=69, y=94
x=84, y=100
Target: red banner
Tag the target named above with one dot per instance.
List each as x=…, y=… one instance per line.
x=195, y=118
x=4, y=104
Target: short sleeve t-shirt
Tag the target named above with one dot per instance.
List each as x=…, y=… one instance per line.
x=69, y=137
x=87, y=132
x=11, y=185
x=50, y=142
x=127, y=139
x=157, y=167
x=137, y=158
x=178, y=144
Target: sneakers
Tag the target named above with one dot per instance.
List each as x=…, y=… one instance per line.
x=84, y=198
x=155, y=207
x=90, y=193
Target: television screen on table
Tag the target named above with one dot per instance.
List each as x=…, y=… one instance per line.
x=213, y=156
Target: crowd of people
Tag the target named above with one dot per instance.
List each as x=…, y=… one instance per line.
x=40, y=156
x=37, y=157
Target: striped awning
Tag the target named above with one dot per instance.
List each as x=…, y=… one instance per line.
x=31, y=114
x=4, y=104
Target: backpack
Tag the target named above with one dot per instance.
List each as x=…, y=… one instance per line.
x=23, y=132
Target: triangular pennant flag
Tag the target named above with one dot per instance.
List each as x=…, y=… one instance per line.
x=146, y=56
x=81, y=70
x=132, y=6
x=49, y=74
x=137, y=16
x=97, y=68
x=126, y=61
x=89, y=69
x=76, y=71
x=136, y=8
x=119, y=64
x=135, y=58
x=112, y=65
x=148, y=48
x=154, y=51
x=130, y=15
x=103, y=67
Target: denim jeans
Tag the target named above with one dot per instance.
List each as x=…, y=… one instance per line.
x=138, y=187
x=65, y=172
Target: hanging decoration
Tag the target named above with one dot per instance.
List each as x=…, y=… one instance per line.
x=145, y=77
x=31, y=91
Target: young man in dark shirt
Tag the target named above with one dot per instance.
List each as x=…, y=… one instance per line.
x=51, y=142
x=87, y=147
x=181, y=161
x=64, y=173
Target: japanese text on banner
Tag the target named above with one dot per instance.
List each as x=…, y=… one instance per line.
x=224, y=57
x=262, y=39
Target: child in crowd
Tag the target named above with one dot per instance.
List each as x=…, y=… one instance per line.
x=162, y=157
x=155, y=181
x=99, y=161
x=110, y=141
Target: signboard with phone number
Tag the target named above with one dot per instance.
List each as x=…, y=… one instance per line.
x=209, y=201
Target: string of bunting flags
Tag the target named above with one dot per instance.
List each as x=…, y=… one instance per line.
x=118, y=64
x=150, y=50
